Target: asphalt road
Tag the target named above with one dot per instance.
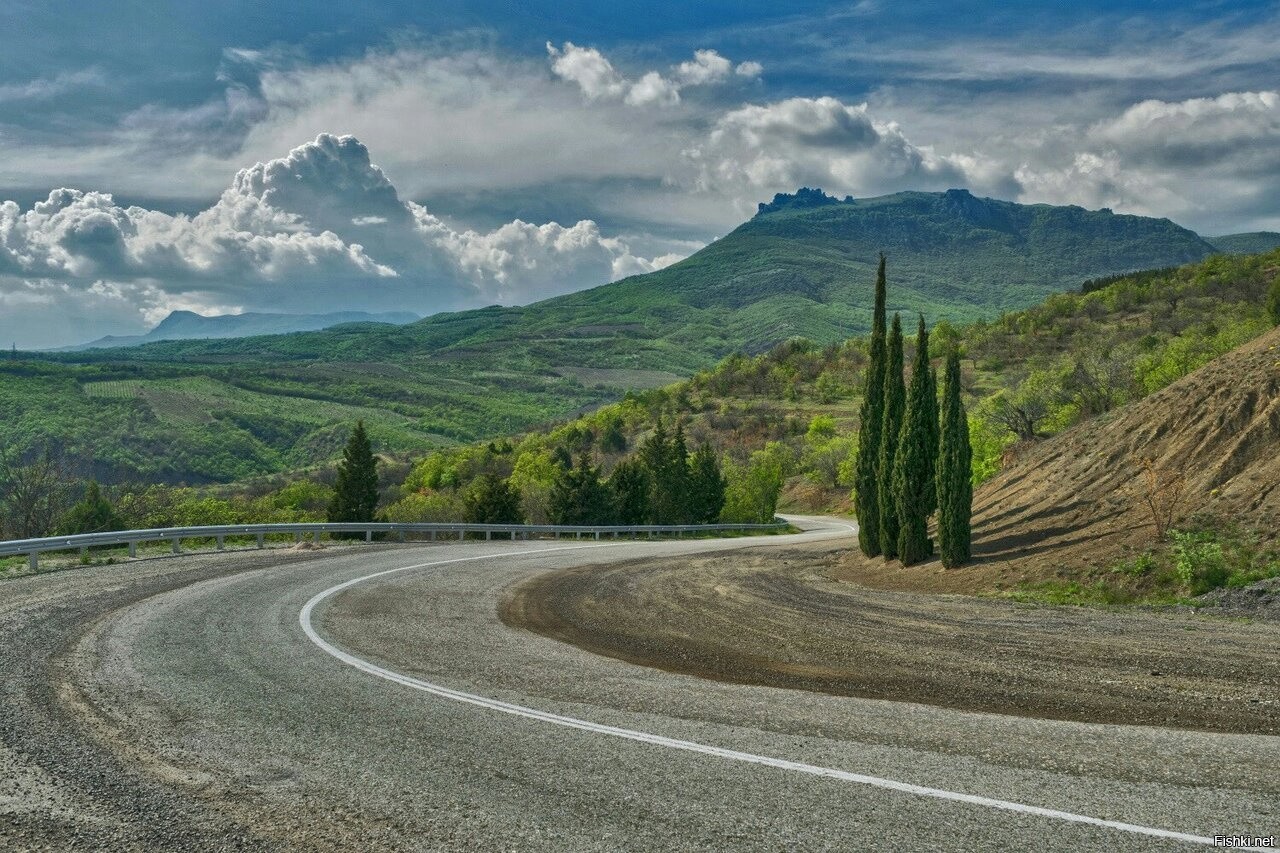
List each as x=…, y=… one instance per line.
x=240, y=701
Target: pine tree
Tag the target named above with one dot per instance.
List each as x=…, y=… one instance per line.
x=355, y=494
x=629, y=485
x=895, y=394
x=578, y=496
x=492, y=500
x=871, y=417
x=667, y=460
x=955, y=487
x=655, y=454
x=912, y=469
x=706, y=486
x=678, y=477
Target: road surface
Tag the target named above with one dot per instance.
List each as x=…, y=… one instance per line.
x=368, y=697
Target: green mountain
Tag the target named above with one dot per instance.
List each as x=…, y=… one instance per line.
x=1246, y=244
x=215, y=410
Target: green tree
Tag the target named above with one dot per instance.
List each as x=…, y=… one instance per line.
x=935, y=435
x=612, y=439
x=666, y=458
x=955, y=485
x=1273, y=302
x=678, y=477
x=870, y=422
x=92, y=514
x=533, y=476
x=895, y=393
x=355, y=494
x=751, y=495
x=629, y=484
x=912, y=469
x=578, y=496
x=706, y=486
x=492, y=500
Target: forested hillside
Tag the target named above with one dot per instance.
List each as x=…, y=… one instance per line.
x=208, y=411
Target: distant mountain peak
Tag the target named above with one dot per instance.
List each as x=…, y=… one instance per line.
x=802, y=199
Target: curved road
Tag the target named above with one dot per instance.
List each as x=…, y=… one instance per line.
x=369, y=697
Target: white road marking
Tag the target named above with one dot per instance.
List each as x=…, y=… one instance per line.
x=304, y=618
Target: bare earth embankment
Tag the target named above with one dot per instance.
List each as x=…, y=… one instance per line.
x=780, y=618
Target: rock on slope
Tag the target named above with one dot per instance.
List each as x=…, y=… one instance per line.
x=1078, y=499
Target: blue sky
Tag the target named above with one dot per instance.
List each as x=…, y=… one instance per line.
x=510, y=151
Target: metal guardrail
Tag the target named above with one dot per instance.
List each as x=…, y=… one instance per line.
x=219, y=533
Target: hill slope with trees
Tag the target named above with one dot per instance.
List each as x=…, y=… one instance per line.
x=222, y=410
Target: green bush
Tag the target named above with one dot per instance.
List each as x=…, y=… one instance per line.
x=1199, y=560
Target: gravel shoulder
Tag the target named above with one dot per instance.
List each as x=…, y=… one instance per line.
x=778, y=617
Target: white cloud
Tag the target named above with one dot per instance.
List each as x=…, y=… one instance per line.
x=321, y=227
x=587, y=67
x=759, y=149
x=41, y=88
x=1190, y=160
x=707, y=67
x=653, y=88
x=1198, y=131
x=598, y=79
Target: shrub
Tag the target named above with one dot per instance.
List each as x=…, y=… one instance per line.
x=1199, y=560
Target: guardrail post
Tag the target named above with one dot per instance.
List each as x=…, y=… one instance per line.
x=402, y=534
x=33, y=561
x=262, y=540
x=177, y=546
x=597, y=534
x=222, y=542
x=368, y=536
x=433, y=536
x=133, y=549
x=297, y=536
x=488, y=534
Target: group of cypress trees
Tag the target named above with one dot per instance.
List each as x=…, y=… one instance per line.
x=909, y=464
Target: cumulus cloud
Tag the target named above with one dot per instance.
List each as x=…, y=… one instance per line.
x=1197, y=131
x=322, y=226
x=595, y=75
x=1181, y=159
x=587, y=67
x=763, y=148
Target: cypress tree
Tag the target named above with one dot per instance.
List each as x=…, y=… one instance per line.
x=955, y=460
x=355, y=494
x=912, y=469
x=870, y=420
x=895, y=393
x=935, y=436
